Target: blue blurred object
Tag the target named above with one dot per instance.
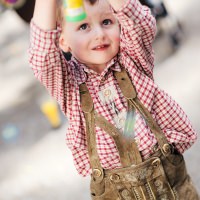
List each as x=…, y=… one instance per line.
x=10, y=133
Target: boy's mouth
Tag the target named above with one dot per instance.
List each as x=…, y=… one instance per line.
x=101, y=47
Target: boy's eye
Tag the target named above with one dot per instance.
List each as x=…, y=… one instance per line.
x=83, y=27
x=107, y=22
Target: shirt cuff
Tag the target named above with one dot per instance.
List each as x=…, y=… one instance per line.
x=132, y=12
x=43, y=40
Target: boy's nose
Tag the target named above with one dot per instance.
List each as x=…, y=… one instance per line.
x=99, y=33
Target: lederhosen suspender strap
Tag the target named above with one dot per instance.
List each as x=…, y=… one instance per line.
x=128, y=151
x=129, y=93
x=88, y=109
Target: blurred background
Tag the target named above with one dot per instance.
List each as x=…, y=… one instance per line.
x=35, y=163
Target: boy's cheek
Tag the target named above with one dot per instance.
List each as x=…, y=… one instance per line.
x=117, y=39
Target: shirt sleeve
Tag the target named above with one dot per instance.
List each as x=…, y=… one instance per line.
x=47, y=61
x=138, y=29
x=173, y=121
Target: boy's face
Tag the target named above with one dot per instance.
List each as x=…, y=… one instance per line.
x=95, y=40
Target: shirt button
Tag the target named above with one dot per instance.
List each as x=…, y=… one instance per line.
x=103, y=79
x=137, y=141
x=121, y=121
x=107, y=93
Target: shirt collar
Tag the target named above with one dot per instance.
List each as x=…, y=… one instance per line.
x=81, y=71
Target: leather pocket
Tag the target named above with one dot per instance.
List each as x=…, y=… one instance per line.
x=97, y=188
x=187, y=190
x=103, y=190
x=175, y=168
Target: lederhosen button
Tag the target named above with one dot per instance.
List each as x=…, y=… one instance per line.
x=114, y=177
x=96, y=172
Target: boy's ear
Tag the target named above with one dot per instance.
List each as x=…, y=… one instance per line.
x=63, y=44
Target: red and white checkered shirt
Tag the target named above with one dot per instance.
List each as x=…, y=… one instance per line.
x=62, y=80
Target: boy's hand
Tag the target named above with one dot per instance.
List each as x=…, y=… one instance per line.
x=117, y=4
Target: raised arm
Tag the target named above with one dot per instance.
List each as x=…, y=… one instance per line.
x=45, y=57
x=45, y=14
x=138, y=28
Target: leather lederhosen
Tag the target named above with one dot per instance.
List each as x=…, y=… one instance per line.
x=163, y=176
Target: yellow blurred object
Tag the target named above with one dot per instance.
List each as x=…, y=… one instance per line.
x=50, y=110
x=74, y=10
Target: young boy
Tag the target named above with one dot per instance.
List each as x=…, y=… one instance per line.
x=116, y=35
